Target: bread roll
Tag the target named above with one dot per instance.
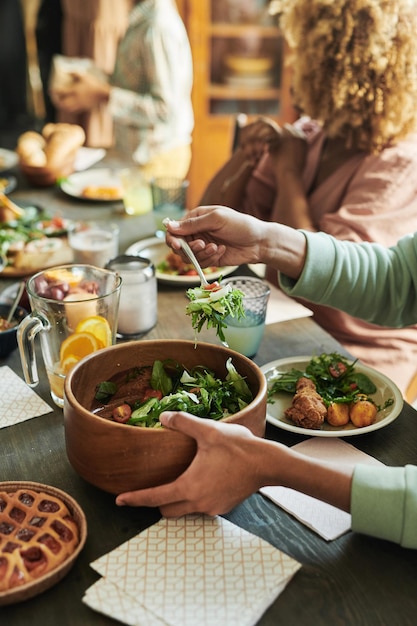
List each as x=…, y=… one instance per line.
x=51, y=128
x=62, y=142
x=30, y=149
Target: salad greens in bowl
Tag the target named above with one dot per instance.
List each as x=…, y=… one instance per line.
x=113, y=399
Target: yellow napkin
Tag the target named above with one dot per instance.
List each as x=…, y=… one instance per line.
x=18, y=402
x=192, y=571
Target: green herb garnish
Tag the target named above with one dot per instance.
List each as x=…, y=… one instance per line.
x=211, y=305
x=105, y=390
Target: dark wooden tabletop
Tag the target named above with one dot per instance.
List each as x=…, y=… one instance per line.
x=354, y=580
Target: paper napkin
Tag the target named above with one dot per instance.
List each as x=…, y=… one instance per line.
x=326, y=520
x=192, y=571
x=18, y=402
x=280, y=306
x=86, y=157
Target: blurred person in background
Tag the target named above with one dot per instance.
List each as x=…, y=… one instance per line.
x=347, y=169
x=13, y=67
x=149, y=92
x=81, y=29
x=48, y=43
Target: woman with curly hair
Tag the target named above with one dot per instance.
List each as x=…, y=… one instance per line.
x=348, y=165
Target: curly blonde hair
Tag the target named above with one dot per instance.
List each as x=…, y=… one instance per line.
x=354, y=66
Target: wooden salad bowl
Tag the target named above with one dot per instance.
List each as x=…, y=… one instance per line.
x=119, y=457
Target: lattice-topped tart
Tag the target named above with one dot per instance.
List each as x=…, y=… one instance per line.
x=41, y=532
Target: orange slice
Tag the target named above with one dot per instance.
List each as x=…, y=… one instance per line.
x=68, y=363
x=78, y=345
x=63, y=275
x=97, y=326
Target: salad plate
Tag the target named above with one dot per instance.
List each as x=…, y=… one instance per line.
x=50, y=248
x=8, y=159
x=386, y=390
x=156, y=250
x=96, y=185
x=8, y=184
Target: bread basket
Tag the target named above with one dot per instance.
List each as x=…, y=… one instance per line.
x=47, y=176
x=45, y=157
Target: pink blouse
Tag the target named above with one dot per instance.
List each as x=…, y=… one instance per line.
x=369, y=198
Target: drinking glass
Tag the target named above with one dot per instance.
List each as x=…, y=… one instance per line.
x=137, y=197
x=169, y=200
x=74, y=311
x=94, y=243
x=244, y=335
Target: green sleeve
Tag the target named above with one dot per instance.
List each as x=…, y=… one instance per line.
x=366, y=280
x=384, y=503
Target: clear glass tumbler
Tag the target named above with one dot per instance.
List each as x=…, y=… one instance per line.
x=245, y=334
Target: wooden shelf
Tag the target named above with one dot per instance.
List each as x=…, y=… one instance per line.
x=220, y=29
x=226, y=92
x=217, y=103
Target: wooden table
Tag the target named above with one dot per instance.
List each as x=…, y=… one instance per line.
x=354, y=580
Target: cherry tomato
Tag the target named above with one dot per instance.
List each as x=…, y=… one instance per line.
x=152, y=393
x=213, y=286
x=122, y=413
x=58, y=221
x=194, y=390
x=337, y=369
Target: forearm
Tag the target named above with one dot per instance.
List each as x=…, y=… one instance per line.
x=283, y=248
x=291, y=205
x=229, y=183
x=279, y=465
x=382, y=283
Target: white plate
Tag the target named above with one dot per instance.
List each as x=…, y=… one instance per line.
x=8, y=159
x=9, y=293
x=386, y=389
x=74, y=184
x=8, y=184
x=156, y=250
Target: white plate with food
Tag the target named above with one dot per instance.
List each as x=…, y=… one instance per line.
x=33, y=241
x=176, y=272
x=8, y=159
x=387, y=393
x=97, y=185
x=8, y=184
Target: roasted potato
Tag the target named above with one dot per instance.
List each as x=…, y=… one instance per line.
x=362, y=412
x=338, y=414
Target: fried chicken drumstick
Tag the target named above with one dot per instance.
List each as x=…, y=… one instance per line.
x=307, y=409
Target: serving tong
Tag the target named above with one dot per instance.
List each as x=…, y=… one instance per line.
x=9, y=204
x=16, y=300
x=17, y=212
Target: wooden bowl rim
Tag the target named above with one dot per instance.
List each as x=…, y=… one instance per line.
x=41, y=584
x=71, y=400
